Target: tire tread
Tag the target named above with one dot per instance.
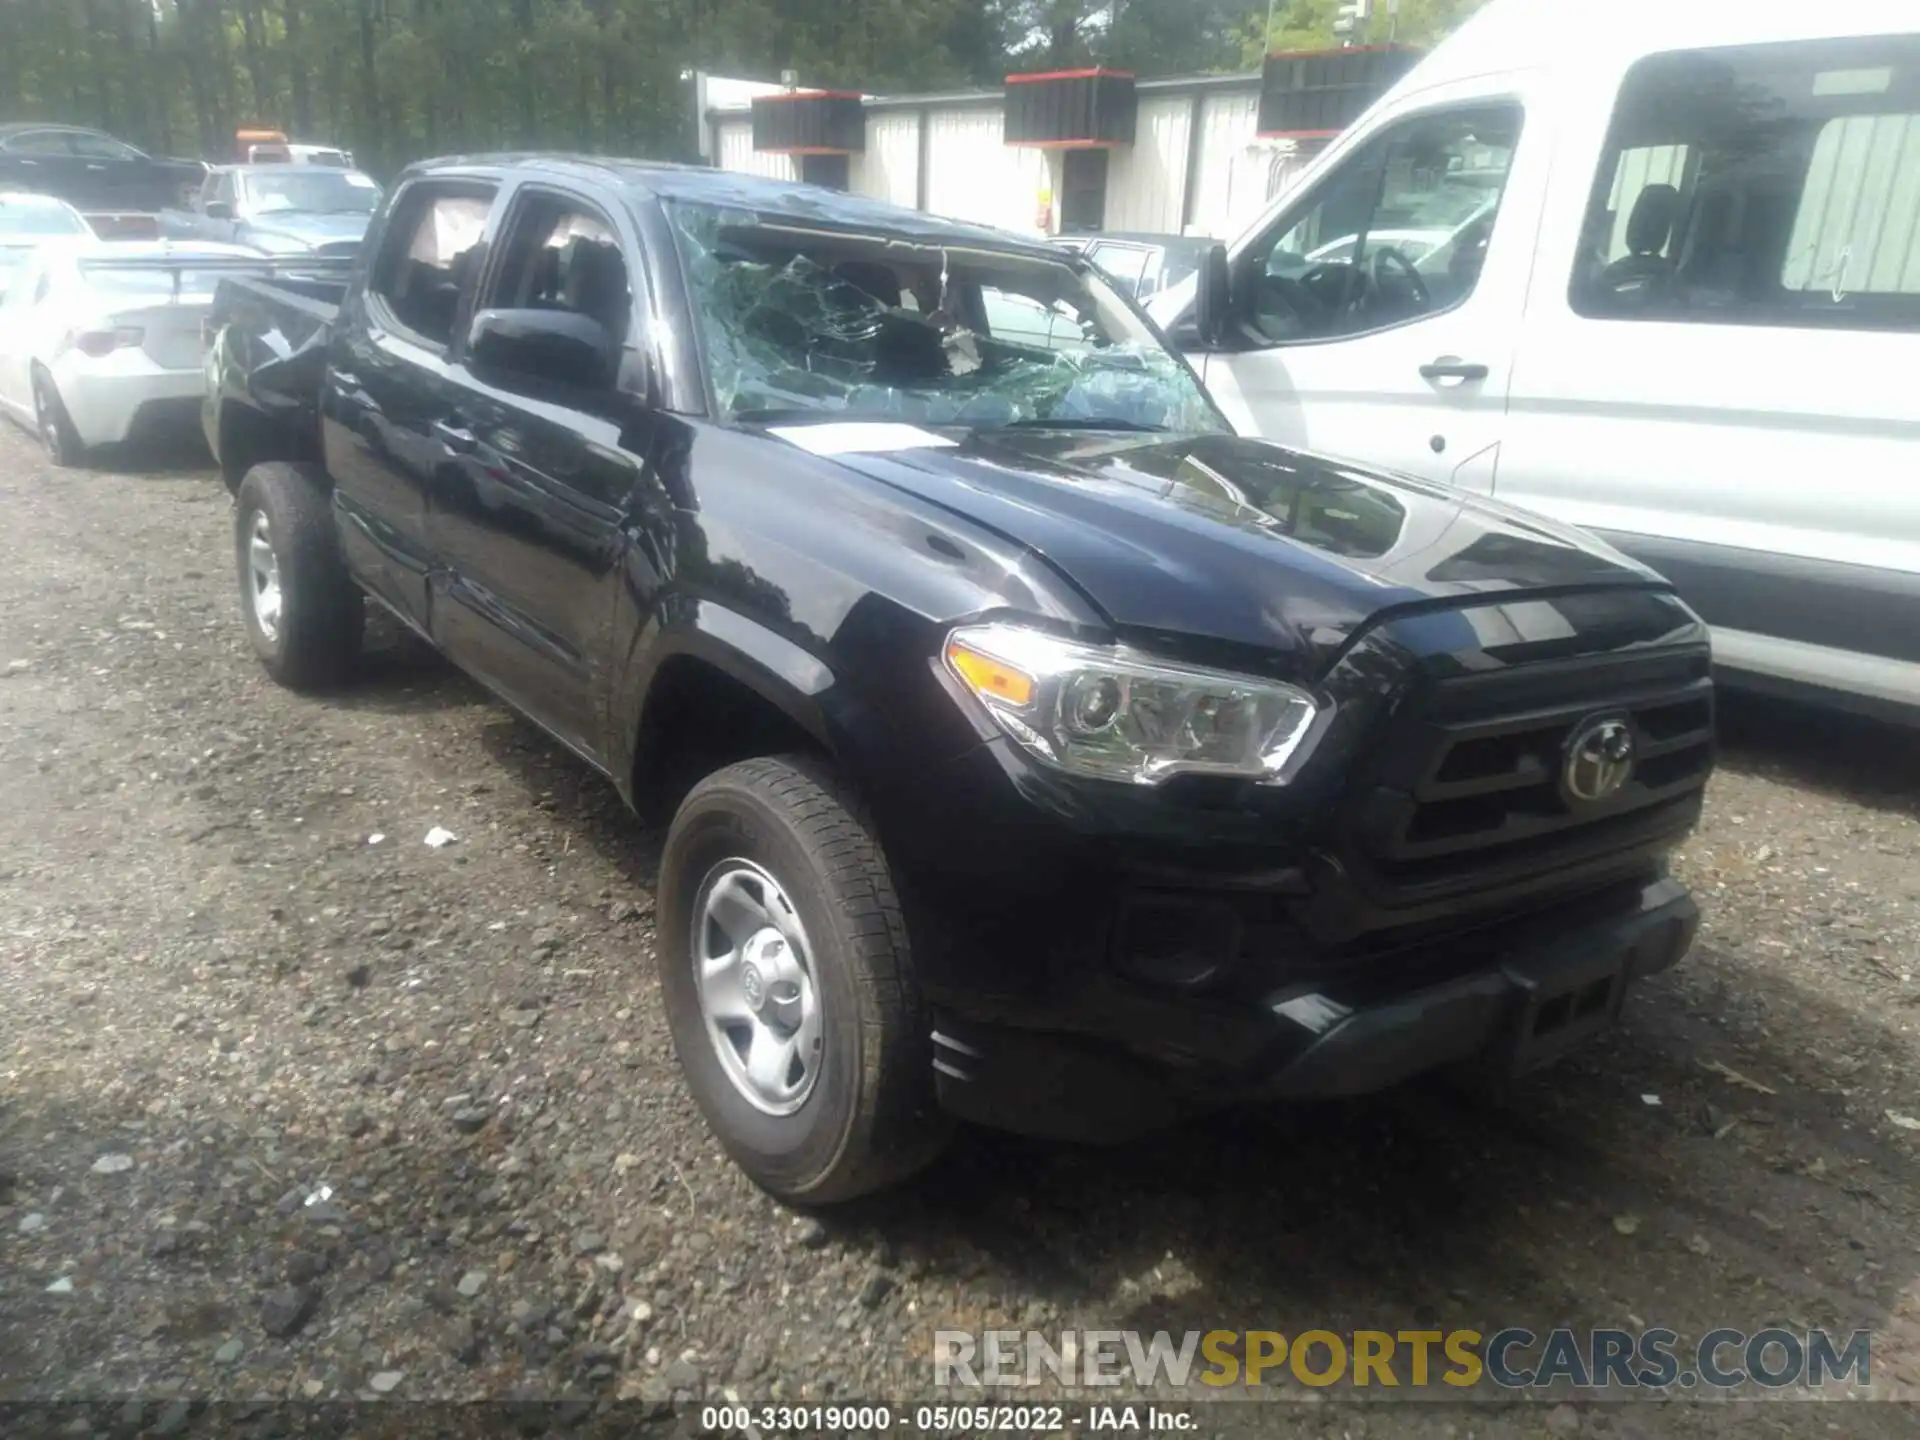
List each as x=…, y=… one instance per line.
x=898, y=1127
x=322, y=616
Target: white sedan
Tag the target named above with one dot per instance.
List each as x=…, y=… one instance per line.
x=99, y=341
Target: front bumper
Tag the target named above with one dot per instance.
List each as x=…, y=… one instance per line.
x=1516, y=996
x=1100, y=958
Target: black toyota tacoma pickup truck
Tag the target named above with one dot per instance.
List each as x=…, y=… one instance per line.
x=1038, y=752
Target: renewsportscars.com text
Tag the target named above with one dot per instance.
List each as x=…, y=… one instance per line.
x=1510, y=1359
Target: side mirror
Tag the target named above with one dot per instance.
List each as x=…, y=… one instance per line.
x=1212, y=296
x=556, y=346
x=219, y=210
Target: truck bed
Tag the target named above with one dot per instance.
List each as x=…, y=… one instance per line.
x=269, y=340
x=284, y=313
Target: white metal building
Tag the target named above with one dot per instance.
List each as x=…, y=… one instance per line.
x=1069, y=151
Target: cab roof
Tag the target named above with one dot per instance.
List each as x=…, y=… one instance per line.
x=1512, y=35
x=20, y=127
x=786, y=199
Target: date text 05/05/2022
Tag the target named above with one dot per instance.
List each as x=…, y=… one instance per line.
x=942, y=1419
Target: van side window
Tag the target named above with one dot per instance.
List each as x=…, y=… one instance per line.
x=1760, y=185
x=1396, y=232
x=428, y=255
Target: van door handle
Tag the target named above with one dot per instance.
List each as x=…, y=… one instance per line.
x=454, y=436
x=1449, y=367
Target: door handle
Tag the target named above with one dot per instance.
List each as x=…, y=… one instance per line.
x=1449, y=367
x=454, y=436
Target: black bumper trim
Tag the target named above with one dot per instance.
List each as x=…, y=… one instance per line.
x=1545, y=991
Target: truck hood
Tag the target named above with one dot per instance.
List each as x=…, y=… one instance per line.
x=1243, y=541
x=308, y=227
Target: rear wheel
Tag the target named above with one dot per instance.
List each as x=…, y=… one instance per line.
x=304, y=614
x=50, y=418
x=789, y=984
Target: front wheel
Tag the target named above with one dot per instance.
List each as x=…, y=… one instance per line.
x=304, y=614
x=789, y=984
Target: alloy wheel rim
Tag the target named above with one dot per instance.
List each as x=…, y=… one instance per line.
x=49, y=427
x=759, y=1001
x=263, y=571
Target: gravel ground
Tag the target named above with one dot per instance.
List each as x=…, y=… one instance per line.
x=297, y=1106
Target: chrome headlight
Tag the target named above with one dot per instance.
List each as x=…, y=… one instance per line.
x=1116, y=714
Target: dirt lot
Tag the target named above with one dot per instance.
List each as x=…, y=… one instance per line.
x=218, y=995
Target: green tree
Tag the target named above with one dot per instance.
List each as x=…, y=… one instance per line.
x=399, y=79
x=1308, y=25
x=1151, y=37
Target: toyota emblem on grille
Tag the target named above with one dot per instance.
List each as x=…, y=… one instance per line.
x=1599, y=760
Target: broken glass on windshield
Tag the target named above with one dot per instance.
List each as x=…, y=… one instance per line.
x=798, y=318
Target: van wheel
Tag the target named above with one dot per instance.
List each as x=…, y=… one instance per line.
x=789, y=985
x=304, y=613
x=56, y=429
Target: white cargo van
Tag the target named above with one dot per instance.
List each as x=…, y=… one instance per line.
x=1649, y=267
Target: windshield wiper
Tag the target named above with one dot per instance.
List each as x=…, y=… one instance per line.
x=802, y=413
x=1097, y=422
x=781, y=414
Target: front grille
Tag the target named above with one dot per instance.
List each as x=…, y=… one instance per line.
x=1472, y=783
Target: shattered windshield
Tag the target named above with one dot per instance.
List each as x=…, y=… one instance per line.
x=798, y=318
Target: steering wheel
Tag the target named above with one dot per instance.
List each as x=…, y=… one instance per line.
x=1287, y=308
x=1405, y=266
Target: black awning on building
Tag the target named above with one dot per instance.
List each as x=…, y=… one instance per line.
x=1070, y=108
x=810, y=122
x=1308, y=93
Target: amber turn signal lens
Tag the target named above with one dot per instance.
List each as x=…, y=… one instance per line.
x=992, y=679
